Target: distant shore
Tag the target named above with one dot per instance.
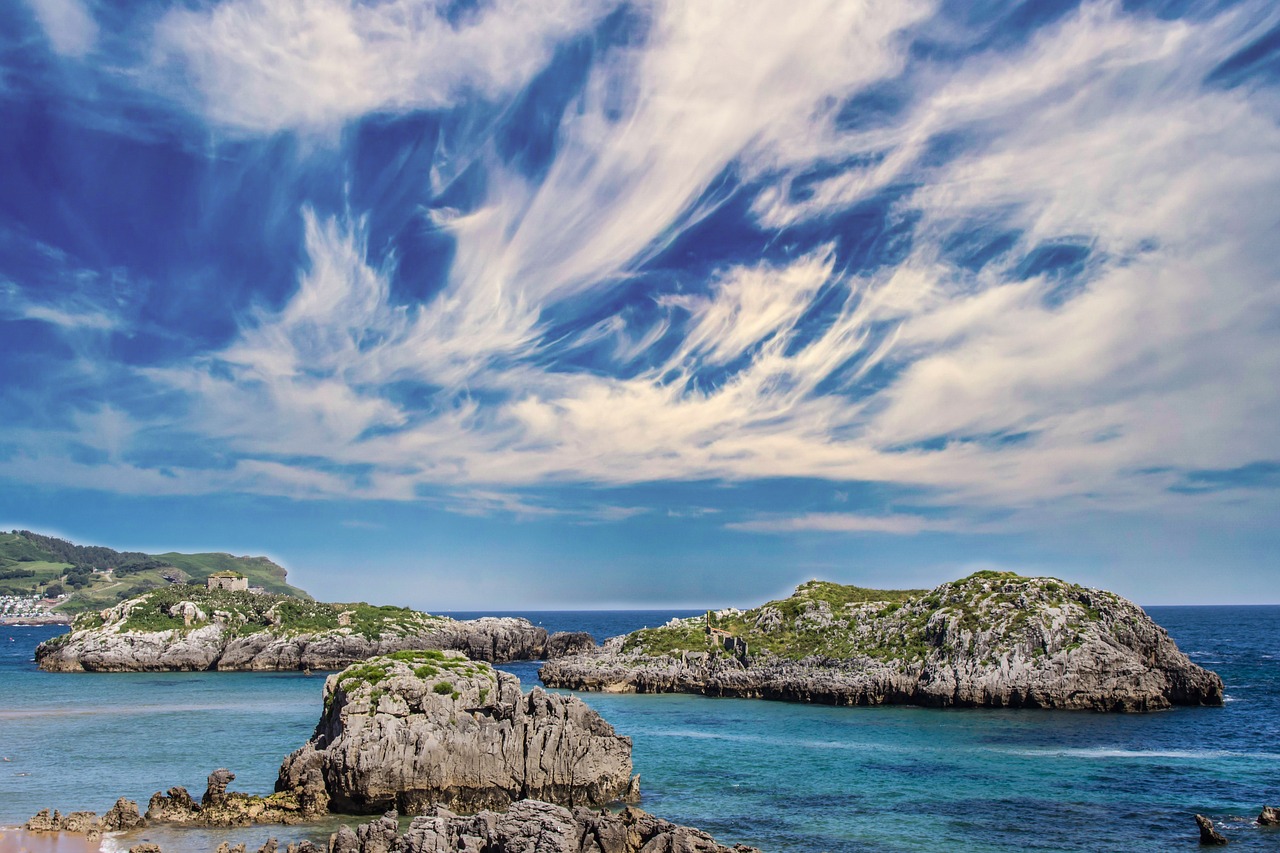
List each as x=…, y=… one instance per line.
x=35, y=621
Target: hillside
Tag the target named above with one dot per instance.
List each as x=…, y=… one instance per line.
x=95, y=577
x=993, y=639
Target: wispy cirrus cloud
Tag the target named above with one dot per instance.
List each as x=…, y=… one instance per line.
x=1043, y=275
x=261, y=66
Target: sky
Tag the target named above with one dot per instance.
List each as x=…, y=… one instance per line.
x=568, y=304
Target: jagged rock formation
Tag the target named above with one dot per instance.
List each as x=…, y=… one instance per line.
x=185, y=628
x=414, y=729
x=123, y=815
x=994, y=639
x=1209, y=837
x=530, y=826
x=565, y=643
x=80, y=823
x=305, y=800
x=1269, y=816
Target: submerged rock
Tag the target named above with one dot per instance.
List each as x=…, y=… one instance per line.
x=410, y=730
x=993, y=639
x=530, y=826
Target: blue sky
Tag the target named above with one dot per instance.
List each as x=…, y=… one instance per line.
x=577, y=304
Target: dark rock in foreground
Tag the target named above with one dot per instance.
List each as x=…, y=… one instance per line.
x=993, y=639
x=1209, y=836
x=530, y=826
x=415, y=729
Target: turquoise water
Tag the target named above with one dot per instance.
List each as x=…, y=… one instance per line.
x=780, y=776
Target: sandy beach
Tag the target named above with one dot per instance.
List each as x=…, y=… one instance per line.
x=21, y=841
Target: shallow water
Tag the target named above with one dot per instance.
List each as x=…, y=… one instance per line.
x=781, y=776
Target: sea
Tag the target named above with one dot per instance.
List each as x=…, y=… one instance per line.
x=779, y=776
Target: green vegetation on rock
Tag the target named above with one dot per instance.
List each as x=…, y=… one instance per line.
x=991, y=610
x=243, y=613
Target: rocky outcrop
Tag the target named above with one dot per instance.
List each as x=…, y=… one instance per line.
x=530, y=826
x=565, y=643
x=79, y=823
x=1209, y=836
x=219, y=807
x=122, y=816
x=1269, y=816
x=990, y=640
x=416, y=729
x=119, y=641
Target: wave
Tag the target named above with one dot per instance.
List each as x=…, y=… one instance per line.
x=1113, y=752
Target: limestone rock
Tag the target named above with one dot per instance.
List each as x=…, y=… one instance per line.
x=564, y=643
x=80, y=823
x=219, y=807
x=175, y=806
x=1208, y=835
x=214, y=645
x=1270, y=816
x=216, y=792
x=122, y=816
x=530, y=826
x=415, y=729
x=145, y=847
x=990, y=640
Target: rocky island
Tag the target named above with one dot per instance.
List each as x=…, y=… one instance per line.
x=993, y=639
x=426, y=732
x=416, y=729
x=194, y=628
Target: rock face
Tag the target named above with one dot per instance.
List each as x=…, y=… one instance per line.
x=530, y=826
x=1269, y=816
x=247, y=635
x=989, y=640
x=565, y=643
x=414, y=729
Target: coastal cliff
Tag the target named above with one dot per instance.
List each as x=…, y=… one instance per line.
x=993, y=639
x=417, y=729
x=190, y=628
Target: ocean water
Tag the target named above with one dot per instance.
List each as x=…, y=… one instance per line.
x=779, y=776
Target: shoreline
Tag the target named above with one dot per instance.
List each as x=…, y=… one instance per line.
x=15, y=839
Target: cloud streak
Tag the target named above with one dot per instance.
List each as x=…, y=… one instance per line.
x=1072, y=285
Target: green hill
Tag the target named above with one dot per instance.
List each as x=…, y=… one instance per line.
x=95, y=577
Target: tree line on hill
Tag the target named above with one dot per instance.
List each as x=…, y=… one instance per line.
x=90, y=556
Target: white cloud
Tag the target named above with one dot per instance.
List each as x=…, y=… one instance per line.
x=262, y=66
x=975, y=385
x=837, y=522
x=69, y=25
